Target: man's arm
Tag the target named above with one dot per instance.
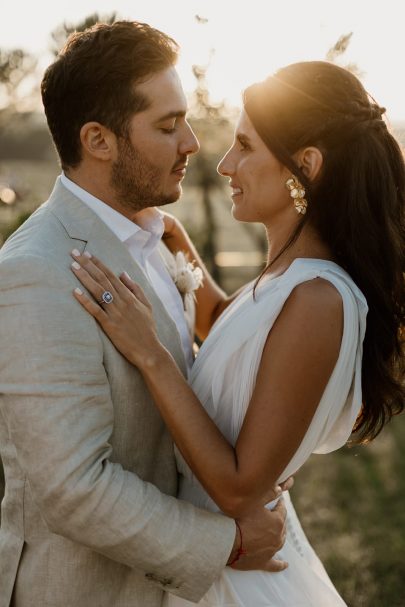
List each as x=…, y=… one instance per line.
x=57, y=404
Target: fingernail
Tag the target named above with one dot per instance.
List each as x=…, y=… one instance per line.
x=78, y=291
x=87, y=254
x=127, y=276
x=76, y=253
x=76, y=265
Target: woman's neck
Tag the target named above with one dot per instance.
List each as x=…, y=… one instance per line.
x=307, y=245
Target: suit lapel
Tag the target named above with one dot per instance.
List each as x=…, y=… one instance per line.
x=89, y=232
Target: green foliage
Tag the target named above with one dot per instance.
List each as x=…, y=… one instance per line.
x=11, y=228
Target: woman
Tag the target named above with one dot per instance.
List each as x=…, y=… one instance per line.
x=289, y=367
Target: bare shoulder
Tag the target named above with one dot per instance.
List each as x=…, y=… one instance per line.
x=317, y=294
x=313, y=305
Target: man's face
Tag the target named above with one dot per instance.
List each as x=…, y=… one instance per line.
x=151, y=161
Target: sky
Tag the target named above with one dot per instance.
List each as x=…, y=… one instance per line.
x=241, y=41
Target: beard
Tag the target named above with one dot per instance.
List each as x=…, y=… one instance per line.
x=137, y=182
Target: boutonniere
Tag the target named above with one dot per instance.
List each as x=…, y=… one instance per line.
x=185, y=275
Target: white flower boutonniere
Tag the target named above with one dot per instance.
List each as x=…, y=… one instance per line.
x=186, y=276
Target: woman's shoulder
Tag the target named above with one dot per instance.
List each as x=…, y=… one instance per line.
x=317, y=294
x=324, y=279
x=313, y=312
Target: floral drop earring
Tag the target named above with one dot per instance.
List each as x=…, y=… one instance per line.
x=297, y=193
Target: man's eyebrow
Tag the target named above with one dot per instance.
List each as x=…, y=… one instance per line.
x=174, y=114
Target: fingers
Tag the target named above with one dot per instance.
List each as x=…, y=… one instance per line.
x=91, y=306
x=97, y=278
x=277, y=491
x=287, y=484
x=276, y=566
x=280, y=508
x=96, y=287
x=281, y=511
x=134, y=288
x=100, y=274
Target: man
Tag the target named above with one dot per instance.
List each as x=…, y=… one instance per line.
x=88, y=519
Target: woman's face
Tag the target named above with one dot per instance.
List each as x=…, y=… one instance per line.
x=257, y=178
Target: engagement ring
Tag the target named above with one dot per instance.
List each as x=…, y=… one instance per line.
x=106, y=298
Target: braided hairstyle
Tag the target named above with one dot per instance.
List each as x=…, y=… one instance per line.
x=356, y=205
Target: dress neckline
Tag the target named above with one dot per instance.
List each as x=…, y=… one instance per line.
x=266, y=279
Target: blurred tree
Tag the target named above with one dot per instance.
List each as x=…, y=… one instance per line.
x=16, y=66
x=213, y=124
x=63, y=31
x=209, y=121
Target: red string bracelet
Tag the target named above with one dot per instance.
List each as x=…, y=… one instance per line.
x=240, y=552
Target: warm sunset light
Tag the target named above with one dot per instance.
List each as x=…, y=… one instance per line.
x=202, y=303
x=242, y=42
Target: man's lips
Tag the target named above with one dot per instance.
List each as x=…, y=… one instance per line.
x=180, y=171
x=180, y=167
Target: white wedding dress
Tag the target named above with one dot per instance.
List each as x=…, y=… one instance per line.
x=223, y=377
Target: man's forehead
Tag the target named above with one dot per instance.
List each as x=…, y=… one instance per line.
x=165, y=94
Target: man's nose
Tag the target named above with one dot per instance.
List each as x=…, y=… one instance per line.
x=190, y=144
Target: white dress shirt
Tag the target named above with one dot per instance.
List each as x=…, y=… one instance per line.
x=142, y=241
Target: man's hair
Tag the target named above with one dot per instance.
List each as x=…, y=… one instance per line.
x=94, y=77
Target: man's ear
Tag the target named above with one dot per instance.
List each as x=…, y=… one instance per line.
x=98, y=141
x=310, y=160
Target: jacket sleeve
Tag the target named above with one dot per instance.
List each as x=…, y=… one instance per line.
x=56, y=401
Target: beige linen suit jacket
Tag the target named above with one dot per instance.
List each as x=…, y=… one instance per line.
x=87, y=519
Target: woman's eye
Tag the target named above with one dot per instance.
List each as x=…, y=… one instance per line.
x=243, y=145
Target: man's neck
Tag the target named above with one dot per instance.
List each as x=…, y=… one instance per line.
x=97, y=185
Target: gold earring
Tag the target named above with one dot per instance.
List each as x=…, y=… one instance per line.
x=297, y=193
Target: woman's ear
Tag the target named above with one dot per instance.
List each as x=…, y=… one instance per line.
x=310, y=160
x=98, y=141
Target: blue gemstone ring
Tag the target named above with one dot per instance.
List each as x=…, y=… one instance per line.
x=106, y=298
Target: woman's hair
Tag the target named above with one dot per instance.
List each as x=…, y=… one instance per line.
x=356, y=205
x=94, y=78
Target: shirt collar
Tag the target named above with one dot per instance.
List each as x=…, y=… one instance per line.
x=149, y=227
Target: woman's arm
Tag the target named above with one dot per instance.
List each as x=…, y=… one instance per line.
x=298, y=358
x=211, y=299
